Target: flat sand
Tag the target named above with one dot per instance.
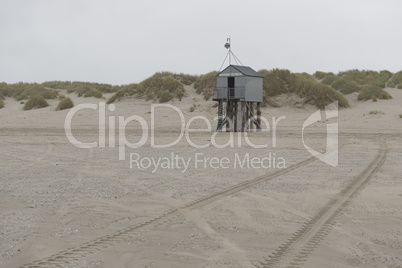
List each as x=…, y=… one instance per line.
x=61, y=205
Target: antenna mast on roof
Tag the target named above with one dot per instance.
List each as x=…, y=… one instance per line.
x=230, y=54
x=227, y=46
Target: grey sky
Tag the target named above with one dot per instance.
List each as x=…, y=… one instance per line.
x=122, y=42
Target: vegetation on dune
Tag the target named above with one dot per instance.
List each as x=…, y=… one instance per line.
x=307, y=76
x=5, y=90
x=345, y=86
x=329, y=80
x=186, y=79
x=279, y=81
x=205, y=84
x=49, y=94
x=374, y=93
x=36, y=102
x=361, y=78
x=322, y=75
x=368, y=83
x=166, y=86
x=65, y=103
x=161, y=87
x=77, y=86
x=88, y=91
x=366, y=77
x=22, y=91
x=396, y=80
x=376, y=112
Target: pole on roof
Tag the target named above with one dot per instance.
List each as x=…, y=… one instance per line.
x=227, y=46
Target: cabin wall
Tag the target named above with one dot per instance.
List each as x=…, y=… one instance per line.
x=253, y=89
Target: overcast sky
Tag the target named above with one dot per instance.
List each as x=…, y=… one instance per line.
x=121, y=42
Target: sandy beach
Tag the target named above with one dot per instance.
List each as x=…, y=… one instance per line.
x=61, y=205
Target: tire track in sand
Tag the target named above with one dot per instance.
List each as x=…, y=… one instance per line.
x=295, y=251
x=96, y=245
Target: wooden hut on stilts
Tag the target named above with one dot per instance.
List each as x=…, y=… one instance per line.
x=239, y=94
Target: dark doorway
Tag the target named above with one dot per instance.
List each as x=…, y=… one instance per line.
x=231, y=86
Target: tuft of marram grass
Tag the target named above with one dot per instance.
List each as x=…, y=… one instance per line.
x=1, y=103
x=205, y=84
x=396, y=80
x=362, y=81
x=279, y=81
x=76, y=85
x=329, y=80
x=65, y=103
x=346, y=86
x=49, y=94
x=322, y=75
x=369, y=92
x=161, y=87
x=376, y=112
x=36, y=102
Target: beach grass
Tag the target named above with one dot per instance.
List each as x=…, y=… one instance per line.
x=279, y=81
x=35, y=102
x=396, y=80
x=368, y=92
x=205, y=84
x=65, y=103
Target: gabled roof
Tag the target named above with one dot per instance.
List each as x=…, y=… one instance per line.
x=244, y=70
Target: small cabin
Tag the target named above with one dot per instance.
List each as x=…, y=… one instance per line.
x=238, y=92
x=239, y=82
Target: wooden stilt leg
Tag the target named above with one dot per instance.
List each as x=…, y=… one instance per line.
x=239, y=116
x=252, y=119
x=258, y=116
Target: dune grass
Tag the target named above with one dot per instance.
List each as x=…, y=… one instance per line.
x=88, y=91
x=186, y=79
x=346, y=86
x=161, y=87
x=36, y=102
x=23, y=91
x=374, y=93
x=166, y=86
x=367, y=83
x=65, y=103
x=367, y=77
x=5, y=90
x=77, y=86
x=322, y=75
x=376, y=112
x=205, y=84
x=1, y=103
x=279, y=81
x=329, y=80
x=396, y=80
